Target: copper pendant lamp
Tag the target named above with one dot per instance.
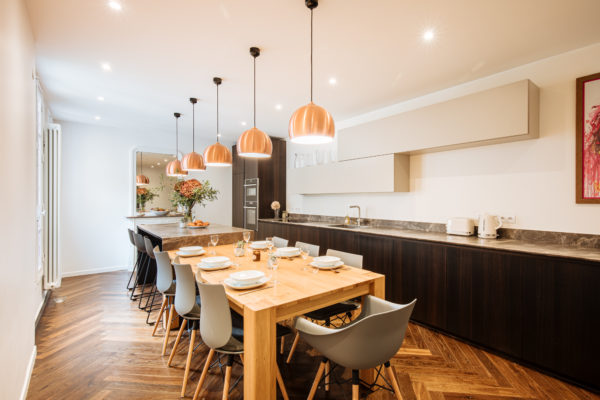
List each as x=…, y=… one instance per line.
x=141, y=179
x=174, y=167
x=193, y=161
x=217, y=155
x=254, y=143
x=311, y=124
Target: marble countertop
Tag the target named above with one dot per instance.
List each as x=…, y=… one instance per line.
x=589, y=254
x=155, y=216
x=173, y=231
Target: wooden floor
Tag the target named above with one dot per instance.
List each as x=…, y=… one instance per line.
x=96, y=345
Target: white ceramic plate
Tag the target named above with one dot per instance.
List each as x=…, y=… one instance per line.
x=279, y=253
x=184, y=254
x=334, y=266
x=326, y=261
x=259, y=245
x=205, y=267
x=215, y=261
x=238, y=286
x=191, y=249
x=249, y=276
x=197, y=227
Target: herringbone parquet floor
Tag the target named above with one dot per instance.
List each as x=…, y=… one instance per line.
x=96, y=345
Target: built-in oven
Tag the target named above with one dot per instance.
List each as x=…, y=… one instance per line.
x=251, y=203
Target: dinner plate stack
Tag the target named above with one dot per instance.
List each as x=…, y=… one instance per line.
x=214, y=263
x=287, y=252
x=246, y=279
x=190, y=251
x=259, y=245
x=327, y=262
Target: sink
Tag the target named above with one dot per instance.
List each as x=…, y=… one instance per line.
x=347, y=226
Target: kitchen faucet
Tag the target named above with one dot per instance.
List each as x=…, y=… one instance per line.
x=358, y=220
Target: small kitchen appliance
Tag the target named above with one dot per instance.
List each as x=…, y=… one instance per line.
x=488, y=226
x=460, y=226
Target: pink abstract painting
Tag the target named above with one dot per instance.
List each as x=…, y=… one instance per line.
x=588, y=139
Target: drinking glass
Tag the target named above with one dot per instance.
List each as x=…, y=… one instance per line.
x=214, y=239
x=246, y=236
x=304, y=255
x=273, y=264
x=269, y=243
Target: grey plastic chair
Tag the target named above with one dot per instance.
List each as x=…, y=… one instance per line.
x=341, y=311
x=280, y=242
x=166, y=285
x=313, y=249
x=218, y=333
x=367, y=342
x=143, y=261
x=188, y=308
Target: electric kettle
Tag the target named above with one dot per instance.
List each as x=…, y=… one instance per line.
x=488, y=226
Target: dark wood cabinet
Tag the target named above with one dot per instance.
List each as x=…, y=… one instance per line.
x=543, y=311
x=271, y=174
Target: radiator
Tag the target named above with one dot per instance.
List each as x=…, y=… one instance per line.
x=51, y=213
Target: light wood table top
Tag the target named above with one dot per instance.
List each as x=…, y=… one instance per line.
x=299, y=291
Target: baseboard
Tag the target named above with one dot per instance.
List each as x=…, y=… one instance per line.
x=42, y=307
x=28, y=374
x=93, y=271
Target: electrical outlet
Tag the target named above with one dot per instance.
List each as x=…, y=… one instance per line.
x=508, y=219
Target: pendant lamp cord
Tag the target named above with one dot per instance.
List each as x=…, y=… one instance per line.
x=193, y=127
x=217, y=113
x=177, y=138
x=311, y=55
x=255, y=92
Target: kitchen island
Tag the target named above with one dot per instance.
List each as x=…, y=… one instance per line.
x=171, y=236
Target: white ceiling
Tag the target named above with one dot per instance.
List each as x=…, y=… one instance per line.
x=163, y=52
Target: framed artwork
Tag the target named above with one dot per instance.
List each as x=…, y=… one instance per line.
x=587, y=142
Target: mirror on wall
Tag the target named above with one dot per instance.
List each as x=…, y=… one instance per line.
x=153, y=186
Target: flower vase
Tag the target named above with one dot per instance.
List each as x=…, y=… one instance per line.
x=277, y=213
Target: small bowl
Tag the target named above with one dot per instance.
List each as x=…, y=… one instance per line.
x=247, y=276
x=259, y=245
x=326, y=261
x=214, y=261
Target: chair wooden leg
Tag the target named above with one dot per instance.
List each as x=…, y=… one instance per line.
x=282, y=345
x=174, y=349
x=315, y=384
x=188, y=362
x=160, y=314
x=227, y=377
x=327, y=376
x=281, y=384
x=293, y=349
x=209, y=358
x=171, y=312
x=392, y=377
x=355, y=385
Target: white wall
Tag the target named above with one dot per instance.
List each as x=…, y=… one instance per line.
x=18, y=200
x=97, y=194
x=533, y=180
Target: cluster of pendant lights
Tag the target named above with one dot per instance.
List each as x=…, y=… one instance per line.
x=310, y=124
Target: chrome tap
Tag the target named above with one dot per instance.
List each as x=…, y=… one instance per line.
x=358, y=220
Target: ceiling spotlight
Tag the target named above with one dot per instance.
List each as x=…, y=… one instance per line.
x=157, y=163
x=218, y=135
x=115, y=5
x=100, y=98
x=97, y=118
x=106, y=66
x=428, y=35
x=332, y=81
x=244, y=123
x=165, y=160
x=278, y=106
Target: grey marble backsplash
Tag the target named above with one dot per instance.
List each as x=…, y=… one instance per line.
x=543, y=237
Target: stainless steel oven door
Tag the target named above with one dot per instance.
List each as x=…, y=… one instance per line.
x=251, y=218
x=251, y=191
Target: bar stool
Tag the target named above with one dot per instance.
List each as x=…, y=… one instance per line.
x=188, y=308
x=218, y=333
x=142, y=261
x=153, y=269
x=135, y=265
x=370, y=341
x=166, y=285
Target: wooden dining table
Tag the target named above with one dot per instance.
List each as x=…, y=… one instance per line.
x=300, y=289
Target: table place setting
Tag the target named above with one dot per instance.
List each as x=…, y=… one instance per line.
x=287, y=252
x=214, y=263
x=259, y=245
x=326, y=262
x=190, y=251
x=248, y=279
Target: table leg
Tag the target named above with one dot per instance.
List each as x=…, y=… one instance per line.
x=377, y=289
x=260, y=352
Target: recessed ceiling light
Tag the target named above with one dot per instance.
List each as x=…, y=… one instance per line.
x=115, y=5
x=332, y=81
x=97, y=118
x=152, y=166
x=106, y=66
x=165, y=160
x=100, y=98
x=278, y=106
x=243, y=123
x=428, y=35
x=218, y=135
x=157, y=163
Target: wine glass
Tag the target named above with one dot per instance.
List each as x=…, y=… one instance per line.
x=304, y=255
x=246, y=236
x=273, y=264
x=214, y=239
x=269, y=243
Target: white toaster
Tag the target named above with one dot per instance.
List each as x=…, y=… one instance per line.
x=460, y=226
